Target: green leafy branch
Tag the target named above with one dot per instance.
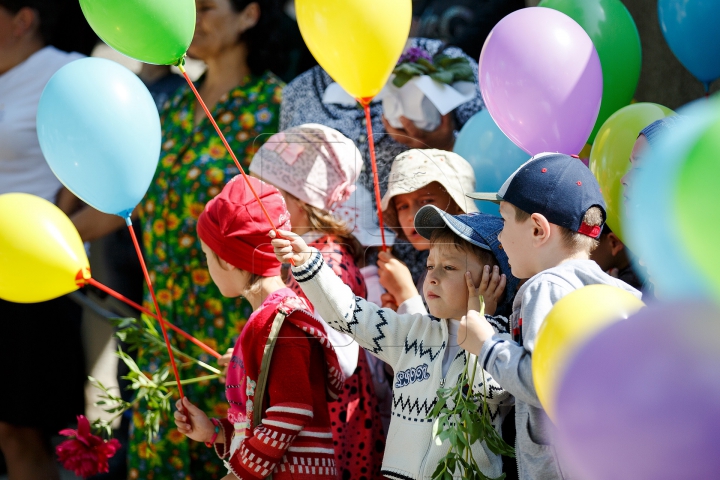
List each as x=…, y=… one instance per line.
x=443, y=69
x=151, y=389
x=459, y=421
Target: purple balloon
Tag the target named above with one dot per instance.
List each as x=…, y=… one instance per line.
x=641, y=400
x=541, y=80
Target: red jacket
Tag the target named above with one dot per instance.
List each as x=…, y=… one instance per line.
x=294, y=439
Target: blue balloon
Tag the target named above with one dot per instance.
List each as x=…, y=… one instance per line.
x=652, y=233
x=99, y=130
x=493, y=156
x=691, y=30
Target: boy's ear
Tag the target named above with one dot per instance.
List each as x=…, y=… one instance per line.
x=616, y=245
x=540, y=228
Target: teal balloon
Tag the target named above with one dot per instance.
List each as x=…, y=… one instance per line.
x=493, y=156
x=691, y=30
x=99, y=130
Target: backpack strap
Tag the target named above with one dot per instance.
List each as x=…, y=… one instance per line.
x=265, y=366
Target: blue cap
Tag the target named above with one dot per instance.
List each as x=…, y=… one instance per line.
x=481, y=230
x=659, y=127
x=555, y=185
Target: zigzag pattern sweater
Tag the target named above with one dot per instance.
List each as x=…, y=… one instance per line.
x=413, y=345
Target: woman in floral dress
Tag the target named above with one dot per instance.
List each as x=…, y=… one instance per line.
x=244, y=97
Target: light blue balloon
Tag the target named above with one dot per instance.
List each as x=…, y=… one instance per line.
x=99, y=130
x=493, y=156
x=691, y=30
x=649, y=217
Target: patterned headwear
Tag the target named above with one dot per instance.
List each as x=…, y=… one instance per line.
x=316, y=164
x=657, y=129
x=234, y=226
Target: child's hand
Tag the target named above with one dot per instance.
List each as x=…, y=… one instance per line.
x=474, y=331
x=192, y=422
x=224, y=361
x=395, y=278
x=492, y=287
x=388, y=301
x=290, y=248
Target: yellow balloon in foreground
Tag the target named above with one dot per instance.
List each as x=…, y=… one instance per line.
x=357, y=42
x=41, y=253
x=574, y=320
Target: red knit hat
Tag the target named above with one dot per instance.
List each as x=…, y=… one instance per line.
x=235, y=228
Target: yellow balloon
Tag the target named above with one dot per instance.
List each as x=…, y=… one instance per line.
x=357, y=42
x=610, y=154
x=41, y=254
x=574, y=320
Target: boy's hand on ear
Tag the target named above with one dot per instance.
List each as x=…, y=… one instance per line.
x=492, y=287
x=395, y=277
x=290, y=248
x=474, y=331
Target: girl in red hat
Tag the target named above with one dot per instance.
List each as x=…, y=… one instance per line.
x=284, y=370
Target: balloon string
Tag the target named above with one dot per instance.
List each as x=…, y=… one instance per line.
x=232, y=154
x=365, y=102
x=122, y=298
x=157, y=308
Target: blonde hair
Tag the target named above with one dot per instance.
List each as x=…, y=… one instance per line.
x=325, y=222
x=445, y=236
x=577, y=242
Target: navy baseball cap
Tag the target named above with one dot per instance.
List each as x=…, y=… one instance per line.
x=481, y=230
x=555, y=185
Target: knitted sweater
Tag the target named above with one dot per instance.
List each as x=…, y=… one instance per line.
x=294, y=438
x=413, y=345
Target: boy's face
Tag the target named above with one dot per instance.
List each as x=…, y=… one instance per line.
x=516, y=239
x=445, y=287
x=408, y=204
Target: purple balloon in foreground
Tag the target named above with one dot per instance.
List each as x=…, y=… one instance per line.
x=541, y=80
x=641, y=400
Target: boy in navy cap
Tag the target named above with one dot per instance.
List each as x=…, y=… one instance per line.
x=554, y=213
x=422, y=349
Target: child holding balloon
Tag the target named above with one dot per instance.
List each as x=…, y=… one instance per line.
x=283, y=368
x=315, y=168
x=553, y=212
x=422, y=350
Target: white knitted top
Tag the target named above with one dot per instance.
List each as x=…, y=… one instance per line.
x=413, y=345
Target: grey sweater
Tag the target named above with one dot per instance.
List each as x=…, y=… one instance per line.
x=510, y=361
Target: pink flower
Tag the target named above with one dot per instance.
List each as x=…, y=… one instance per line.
x=84, y=453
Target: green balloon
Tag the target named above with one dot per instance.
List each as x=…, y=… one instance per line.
x=616, y=39
x=152, y=31
x=696, y=203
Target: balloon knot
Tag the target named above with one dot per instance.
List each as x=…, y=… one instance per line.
x=82, y=277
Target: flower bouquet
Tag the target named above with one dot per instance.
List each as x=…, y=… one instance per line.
x=423, y=88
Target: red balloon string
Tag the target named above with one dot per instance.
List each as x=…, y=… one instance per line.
x=157, y=308
x=227, y=147
x=365, y=102
x=122, y=298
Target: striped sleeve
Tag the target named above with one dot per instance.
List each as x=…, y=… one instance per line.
x=290, y=410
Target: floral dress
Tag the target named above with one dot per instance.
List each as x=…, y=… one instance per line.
x=194, y=167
